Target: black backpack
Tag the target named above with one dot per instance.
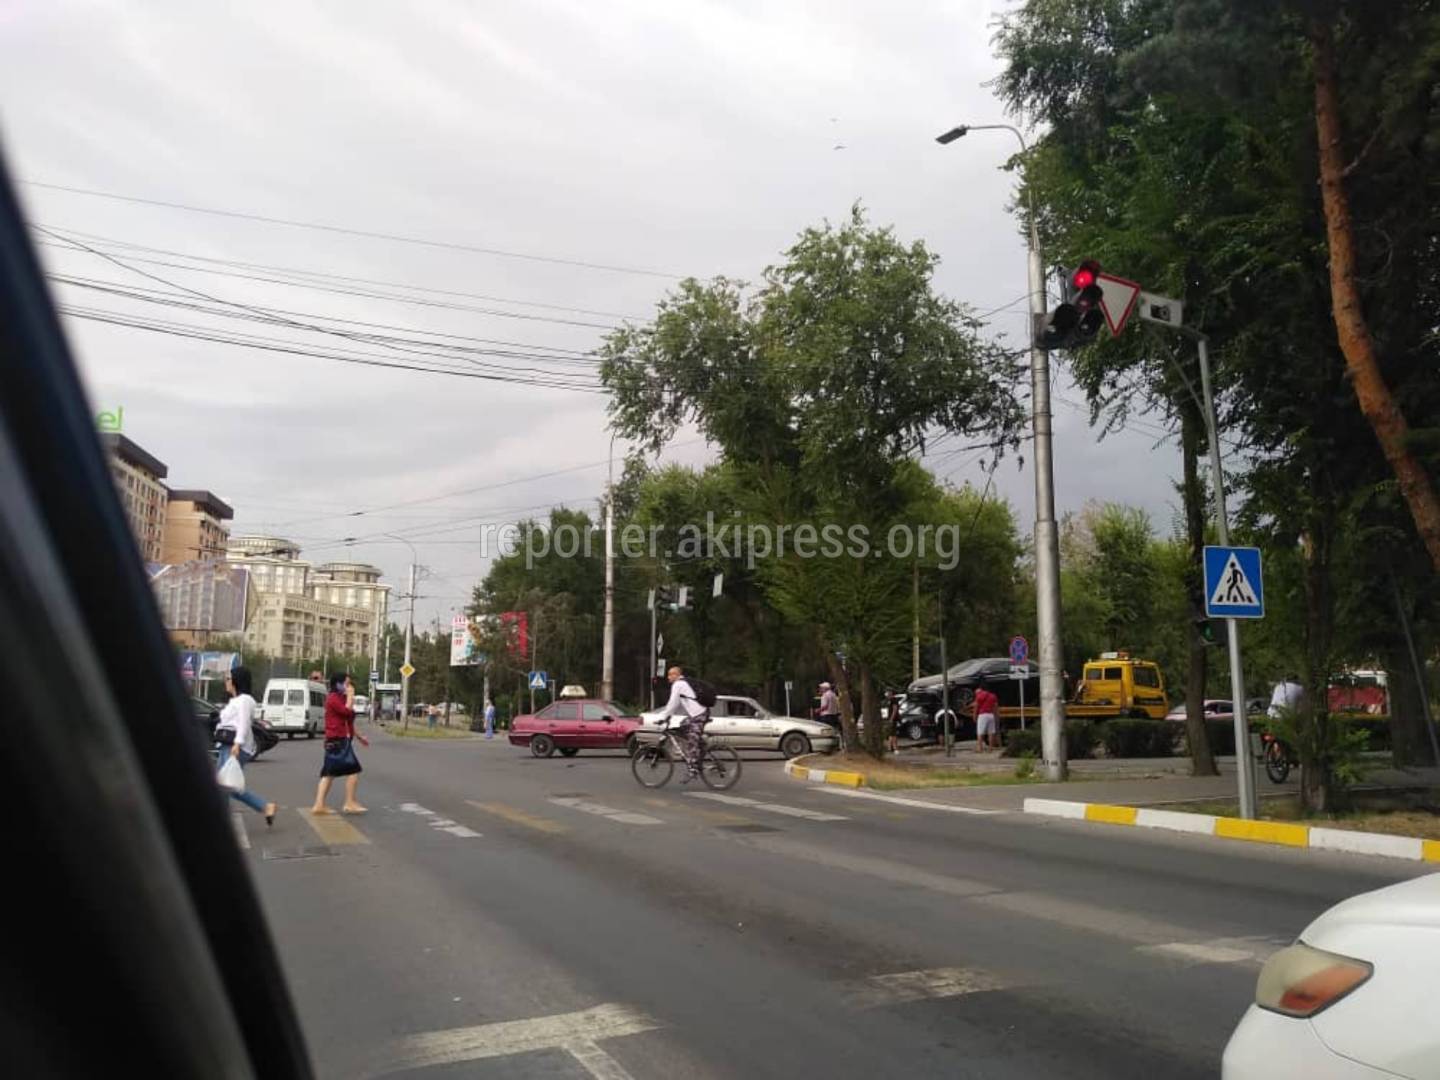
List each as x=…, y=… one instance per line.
x=703, y=691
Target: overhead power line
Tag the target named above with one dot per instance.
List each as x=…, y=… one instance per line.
x=368, y=234
x=324, y=275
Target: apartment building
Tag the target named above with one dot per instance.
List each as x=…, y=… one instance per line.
x=305, y=611
x=139, y=479
x=195, y=526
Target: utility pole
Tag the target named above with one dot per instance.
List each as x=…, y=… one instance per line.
x=1047, y=534
x=607, y=661
x=915, y=627
x=650, y=673
x=945, y=681
x=405, y=679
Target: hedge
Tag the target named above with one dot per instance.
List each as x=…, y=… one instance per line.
x=1126, y=738
x=1081, y=738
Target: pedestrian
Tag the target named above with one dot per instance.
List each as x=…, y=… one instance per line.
x=340, y=735
x=830, y=711
x=986, y=707
x=892, y=722
x=432, y=712
x=489, y=719
x=235, y=734
x=1287, y=697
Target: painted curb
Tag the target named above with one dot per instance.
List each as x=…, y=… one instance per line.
x=1257, y=832
x=825, y=776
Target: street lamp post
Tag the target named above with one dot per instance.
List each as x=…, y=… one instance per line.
x=1047, y=535
x=607, y=661
x=409, y=632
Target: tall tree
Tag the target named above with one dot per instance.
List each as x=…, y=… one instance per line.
x=816, y=388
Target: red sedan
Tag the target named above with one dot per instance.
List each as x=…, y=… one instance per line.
x=573, y=725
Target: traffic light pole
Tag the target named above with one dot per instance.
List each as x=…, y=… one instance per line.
x=1244, y=761
x=1047, y=535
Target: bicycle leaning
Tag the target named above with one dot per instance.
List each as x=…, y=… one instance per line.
x=654, y=763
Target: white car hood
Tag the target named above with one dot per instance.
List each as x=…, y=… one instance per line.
x=1414, y=903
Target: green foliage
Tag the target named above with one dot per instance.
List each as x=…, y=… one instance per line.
x=1126, y=738
x=1081, y=739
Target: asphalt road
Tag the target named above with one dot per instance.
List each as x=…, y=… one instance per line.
x=496, y=915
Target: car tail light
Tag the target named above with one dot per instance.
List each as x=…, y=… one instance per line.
x=1301, y=980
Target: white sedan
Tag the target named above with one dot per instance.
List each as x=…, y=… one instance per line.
x=1353, y=997
x=745, y=724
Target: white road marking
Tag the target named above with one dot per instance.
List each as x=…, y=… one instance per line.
x=904, y=986
x=1219, y=951
x=443, y=824
x=773, y=808
x=241, y=836
x=577, y=1033
x=851, y=793
x=625, y=817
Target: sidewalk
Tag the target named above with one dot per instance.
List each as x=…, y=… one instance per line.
x=1123, y=781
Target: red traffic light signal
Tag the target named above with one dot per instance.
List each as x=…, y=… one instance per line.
x=1085, y=274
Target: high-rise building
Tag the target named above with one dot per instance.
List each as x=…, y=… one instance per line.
x=138, y=479
x=305, y=612
x=195, y=526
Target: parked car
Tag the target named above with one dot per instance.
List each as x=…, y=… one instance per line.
x=362, y=705
x=294, y=707
x=1353, y=997
x=208, y=714
x=745, y=724
x=1219, y=709
x=574, y=725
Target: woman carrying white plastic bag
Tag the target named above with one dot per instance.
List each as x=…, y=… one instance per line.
x=235, y=732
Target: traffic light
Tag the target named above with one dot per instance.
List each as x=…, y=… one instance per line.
x=1076, y=321
x=1206, y=629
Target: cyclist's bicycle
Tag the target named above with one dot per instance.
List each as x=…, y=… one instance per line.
x=654, y=763
x=1279, y=758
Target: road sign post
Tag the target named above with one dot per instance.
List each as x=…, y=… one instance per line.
x=1168, y=312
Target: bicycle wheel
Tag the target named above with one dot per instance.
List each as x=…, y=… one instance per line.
x=1277, y=763
x=720, y=767
x=652, y=765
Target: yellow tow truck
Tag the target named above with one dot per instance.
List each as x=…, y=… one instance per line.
x=1116, y=685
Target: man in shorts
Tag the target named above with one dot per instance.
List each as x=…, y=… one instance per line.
x=987, y=725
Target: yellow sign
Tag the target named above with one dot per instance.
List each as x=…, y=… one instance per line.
x=406, y=670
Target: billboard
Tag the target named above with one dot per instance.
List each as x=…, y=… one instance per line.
x=206, y=597
x=464, y=645
x=520, y=642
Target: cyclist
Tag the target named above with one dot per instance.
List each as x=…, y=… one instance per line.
x=694, y=717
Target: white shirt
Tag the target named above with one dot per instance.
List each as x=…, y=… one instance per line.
x=1287, y=696
x=682, y=702
x=239, y=716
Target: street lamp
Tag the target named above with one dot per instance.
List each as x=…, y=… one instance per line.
x=607, y=658
x=1047, y=536
x=409, y=628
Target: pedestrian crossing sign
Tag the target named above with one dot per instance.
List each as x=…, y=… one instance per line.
x=539, y=680
x=1234, y=588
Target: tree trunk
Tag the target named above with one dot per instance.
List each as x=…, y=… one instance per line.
x=1408, y=742
x=1376, y=401
x=1314, y=720
x=870, y=710
x=840, y=679
x=1192, y=435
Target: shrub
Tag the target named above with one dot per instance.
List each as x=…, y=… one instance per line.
x=1026, y=769
x=1126, y=738
x=1081, y=738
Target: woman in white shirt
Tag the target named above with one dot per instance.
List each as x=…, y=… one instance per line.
x=235, y=731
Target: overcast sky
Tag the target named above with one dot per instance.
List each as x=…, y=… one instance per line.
x=667, y=137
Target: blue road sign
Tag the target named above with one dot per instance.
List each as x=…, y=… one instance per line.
x=1019, y=650
x=1233, y=585
x=539, y=680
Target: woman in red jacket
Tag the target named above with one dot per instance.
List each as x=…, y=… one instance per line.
x=340, y=759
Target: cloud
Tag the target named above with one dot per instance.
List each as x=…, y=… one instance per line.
x=691, y=138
